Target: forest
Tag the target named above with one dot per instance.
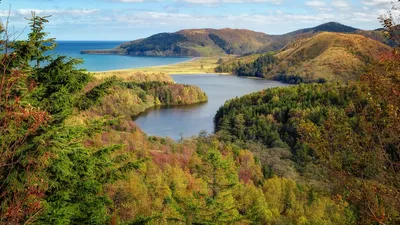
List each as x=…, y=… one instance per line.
x=344, y=138
x=306, y=154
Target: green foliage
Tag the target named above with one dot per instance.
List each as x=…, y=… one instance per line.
x=95, y=95
x=294, y=79
x=159, y=42
x=231, y=65
x=334, y=126
x=221, y=43
x=47, y=174
x=76, y=180
x=259, y=68
x=118, y=98
x=32, y=51
x=58, y=84
x=206, y=181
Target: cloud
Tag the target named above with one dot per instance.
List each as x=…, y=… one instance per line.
x=341, y=4
x=215, y=2
x=377, y=2
x=249, y=21
x=5, y=13
x=76, y=12
x=316, y=4
x=364, y=17
x=274, y=16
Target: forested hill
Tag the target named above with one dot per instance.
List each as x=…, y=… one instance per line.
x=194, y=42
x=325, y=56
x=213, y=42
x=342, y=134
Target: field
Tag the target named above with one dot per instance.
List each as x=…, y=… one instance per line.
x=195, y=66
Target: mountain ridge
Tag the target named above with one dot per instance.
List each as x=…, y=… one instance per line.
x=226, y=41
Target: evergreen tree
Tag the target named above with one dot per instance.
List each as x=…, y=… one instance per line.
x=221, y=175
x=47, y=175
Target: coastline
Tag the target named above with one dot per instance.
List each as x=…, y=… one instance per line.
x=129, y=69
x=196, y=65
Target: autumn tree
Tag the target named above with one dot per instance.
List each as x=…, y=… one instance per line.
x=47, y=175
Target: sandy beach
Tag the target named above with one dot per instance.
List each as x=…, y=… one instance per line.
x=199, y=65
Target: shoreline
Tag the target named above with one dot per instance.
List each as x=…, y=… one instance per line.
x=138, y=68
x=195, y=65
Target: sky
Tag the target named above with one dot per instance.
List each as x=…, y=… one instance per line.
x=133, y=19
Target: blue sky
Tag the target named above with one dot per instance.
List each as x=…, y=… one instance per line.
x=132, y=19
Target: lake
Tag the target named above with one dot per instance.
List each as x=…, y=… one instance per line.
x=173, y=121
x=190, y=120
x=109, y=62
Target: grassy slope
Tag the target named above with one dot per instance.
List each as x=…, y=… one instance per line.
x=280, y=41
x=333, y=56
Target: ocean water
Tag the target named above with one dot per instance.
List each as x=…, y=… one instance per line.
x=109, y=62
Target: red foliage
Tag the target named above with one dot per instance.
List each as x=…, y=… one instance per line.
x=245, y=175
x=20, y=199
x=163, y=158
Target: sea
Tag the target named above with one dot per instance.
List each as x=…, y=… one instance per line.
x=109, y=62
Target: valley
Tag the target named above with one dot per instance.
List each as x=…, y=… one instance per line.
x=305, y=132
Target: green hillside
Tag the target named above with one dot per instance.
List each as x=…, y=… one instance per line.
x=341, y=134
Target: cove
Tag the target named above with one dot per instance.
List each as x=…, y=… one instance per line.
x=189, y=120
x=95, y=63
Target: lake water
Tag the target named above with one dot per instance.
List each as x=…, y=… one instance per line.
x=169, y=122
x=109, y=62
x=190, y=120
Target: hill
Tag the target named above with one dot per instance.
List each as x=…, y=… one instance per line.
x=324, y=56
x=332, y=56
x=194, y=42
x=281, y=41
x=220, y=42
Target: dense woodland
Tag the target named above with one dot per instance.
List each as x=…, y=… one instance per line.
x=260, y=65
x=345, y=137
x=306, y=154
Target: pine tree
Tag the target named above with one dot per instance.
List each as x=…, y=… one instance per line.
x=221, y=175
x=47, y=175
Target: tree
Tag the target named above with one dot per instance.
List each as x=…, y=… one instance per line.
x=22, y=181
x=360, y=146
x=221, y=175
x=47, y=175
